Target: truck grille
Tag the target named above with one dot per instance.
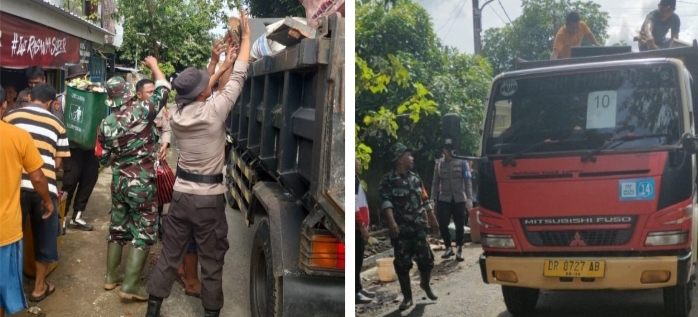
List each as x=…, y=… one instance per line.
x=586, y=238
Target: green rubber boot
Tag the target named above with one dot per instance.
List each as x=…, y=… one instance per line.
x=131, y=288
x=113, y=278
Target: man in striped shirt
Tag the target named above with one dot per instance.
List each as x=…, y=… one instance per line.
x=51, y=139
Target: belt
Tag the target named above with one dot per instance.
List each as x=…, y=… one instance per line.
x=198, y=178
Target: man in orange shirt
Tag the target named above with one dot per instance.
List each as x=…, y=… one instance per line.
x=571, y=35
x=17, y=153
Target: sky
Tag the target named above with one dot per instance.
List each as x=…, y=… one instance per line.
x=453, y=19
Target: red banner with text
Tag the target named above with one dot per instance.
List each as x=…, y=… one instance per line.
x=24, y=43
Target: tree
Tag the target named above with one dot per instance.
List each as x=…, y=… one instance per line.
x=176, y=31
x=405, y=81
x=78, y=7
x=531, y=35
x=275, y=8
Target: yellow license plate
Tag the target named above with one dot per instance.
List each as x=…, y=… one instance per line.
x=574, y=268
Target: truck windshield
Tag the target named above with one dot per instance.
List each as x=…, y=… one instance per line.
x=584, y=110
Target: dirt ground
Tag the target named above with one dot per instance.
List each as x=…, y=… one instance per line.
x=79, y=276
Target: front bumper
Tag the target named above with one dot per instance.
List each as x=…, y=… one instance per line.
x=313, y=296
x=622, y=273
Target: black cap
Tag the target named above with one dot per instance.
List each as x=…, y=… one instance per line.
x=75, y=71
x=190, y=84
x=668, y=3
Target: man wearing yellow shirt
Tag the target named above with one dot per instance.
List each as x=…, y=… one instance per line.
x=571, y=35
x=17, y=153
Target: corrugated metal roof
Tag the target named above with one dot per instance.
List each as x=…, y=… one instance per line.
x=70, y=15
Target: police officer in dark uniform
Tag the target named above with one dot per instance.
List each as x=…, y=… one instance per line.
x=408, y=208
x=451, y=193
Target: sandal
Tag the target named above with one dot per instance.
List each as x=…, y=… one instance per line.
x=180, y=280
x=46, y=293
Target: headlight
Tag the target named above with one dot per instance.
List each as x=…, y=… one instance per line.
x=666, y=238
x=504, y=241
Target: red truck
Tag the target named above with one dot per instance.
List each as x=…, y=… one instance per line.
x=587, y=177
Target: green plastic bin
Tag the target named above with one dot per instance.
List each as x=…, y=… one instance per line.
x=84, y=112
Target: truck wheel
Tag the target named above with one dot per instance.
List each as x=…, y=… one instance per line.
x=677, y=300
x=231, y=201
x=266, y=295
x=520, y=300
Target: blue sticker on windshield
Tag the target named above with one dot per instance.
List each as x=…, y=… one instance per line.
x=636, y=189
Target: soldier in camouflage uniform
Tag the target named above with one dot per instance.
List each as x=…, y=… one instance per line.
x=127, y=138
x=408, y=208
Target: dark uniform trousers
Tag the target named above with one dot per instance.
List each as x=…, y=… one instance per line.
x=80, y=171
x=445, y=212
x=409, y=245
x=205, y=215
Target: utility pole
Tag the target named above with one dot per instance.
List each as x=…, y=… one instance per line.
x=477, y=24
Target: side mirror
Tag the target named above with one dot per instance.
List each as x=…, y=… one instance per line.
x=689, y=143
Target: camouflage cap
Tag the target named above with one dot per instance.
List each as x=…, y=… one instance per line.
x=397, y=150
x=119, y=91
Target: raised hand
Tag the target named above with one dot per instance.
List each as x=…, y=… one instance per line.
x=150, y=62
x=244, y=24
x=218, y=48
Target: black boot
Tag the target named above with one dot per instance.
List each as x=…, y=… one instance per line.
x=424, y=284
x=154, y=304
x=404, y=280
x=211, y=313
x=448, y=253
x=459, y=254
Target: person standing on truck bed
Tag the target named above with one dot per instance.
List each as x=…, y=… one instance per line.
x=198, y=200
x=126, y=136
x=452, y=177
x=17, y=153
x=362, y=222
x=408, y=207
x=571, y=35
x=657, y=24
x=80, y=171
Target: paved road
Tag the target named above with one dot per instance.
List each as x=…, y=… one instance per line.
x=462, y=293
x=79, y=276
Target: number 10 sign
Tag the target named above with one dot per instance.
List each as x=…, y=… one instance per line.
x=601, y=109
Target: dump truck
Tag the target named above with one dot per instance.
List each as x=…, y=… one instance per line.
x=587, y=177
x=286, y=171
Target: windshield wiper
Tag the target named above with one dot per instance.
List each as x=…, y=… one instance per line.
x=618, y=142
x=510, y=159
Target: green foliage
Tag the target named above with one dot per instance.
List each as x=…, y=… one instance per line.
x=275, y=8
x=532, y=34
x=176, y=31
x=414, y=76
x=405, y=81
x=77, y=7
x=165, y=67
x=383, y=121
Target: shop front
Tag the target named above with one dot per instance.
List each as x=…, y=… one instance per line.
x=27, y=39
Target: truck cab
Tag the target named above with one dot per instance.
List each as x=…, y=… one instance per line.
x=587, y=178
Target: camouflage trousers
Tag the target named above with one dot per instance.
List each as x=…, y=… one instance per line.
x=409, y=246
x=133, y=215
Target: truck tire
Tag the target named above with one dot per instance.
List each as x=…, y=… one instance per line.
x=520, y=301
x=231, y=201
x=677, y=299
x=266, y=291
